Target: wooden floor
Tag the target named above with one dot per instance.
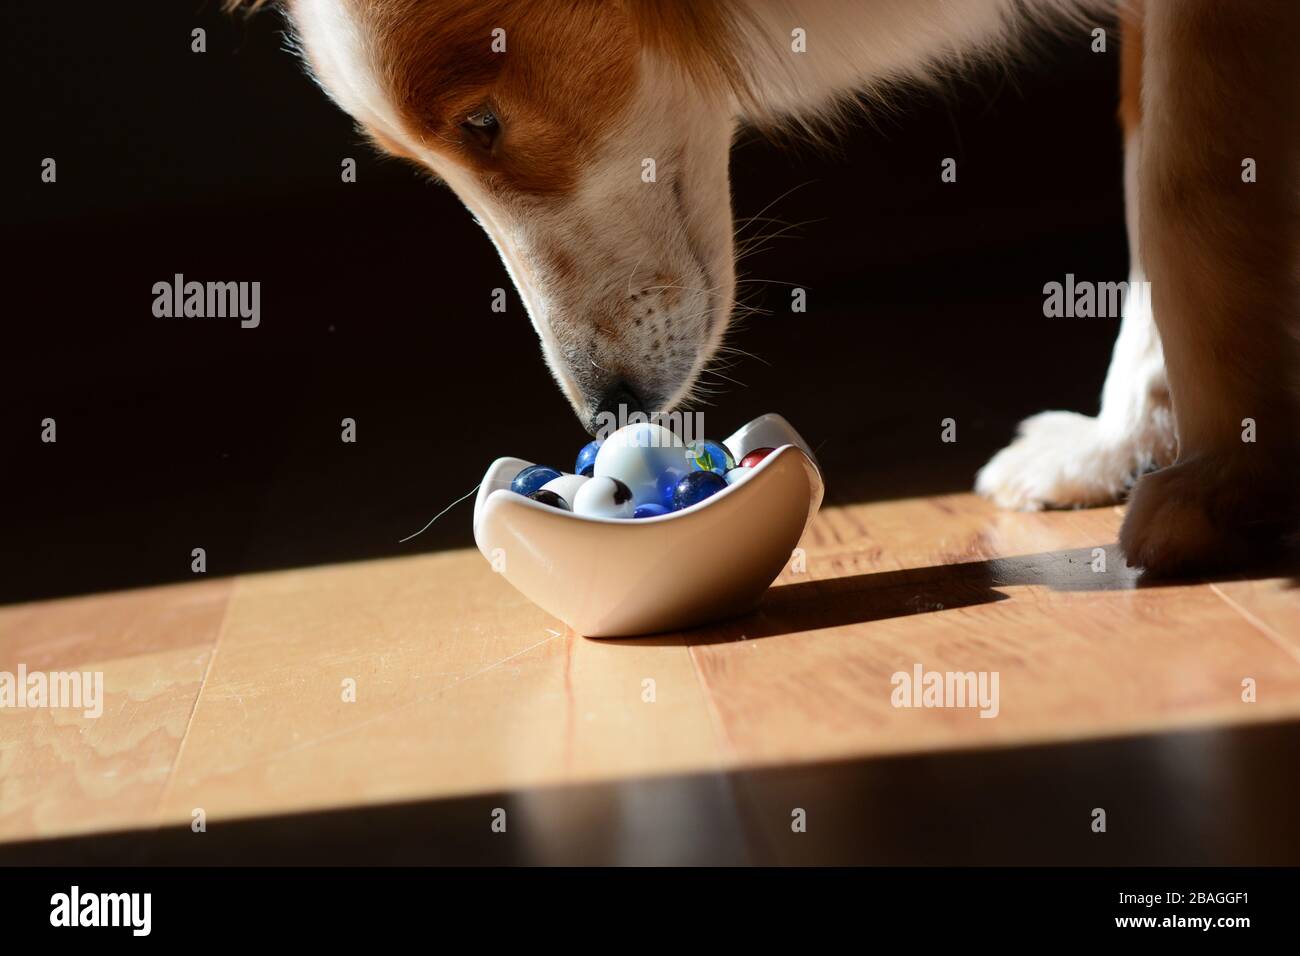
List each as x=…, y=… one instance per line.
x=227, y=694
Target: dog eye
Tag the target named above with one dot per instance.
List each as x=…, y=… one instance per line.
x=482, y=127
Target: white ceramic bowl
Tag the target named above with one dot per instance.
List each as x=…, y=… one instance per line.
x=607, y=577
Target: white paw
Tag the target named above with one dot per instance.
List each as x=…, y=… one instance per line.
x=1060, y=460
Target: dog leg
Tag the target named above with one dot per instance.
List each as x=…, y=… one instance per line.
x=1222, y=253
x=1064, y=459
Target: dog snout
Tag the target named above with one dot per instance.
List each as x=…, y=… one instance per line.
x=613, y=404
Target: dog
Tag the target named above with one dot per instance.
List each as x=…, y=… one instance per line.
x=590, y=139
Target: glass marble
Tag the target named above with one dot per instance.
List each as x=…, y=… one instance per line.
x=532, y=478
x=586, y=463
x=650, y=510
x=709, y=455
x=604, y=497
x=695, y=487
x=668, y=479
x=638, y=455
x=551, y=499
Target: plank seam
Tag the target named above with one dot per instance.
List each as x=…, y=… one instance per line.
x=1290, y=649
x=194, y=708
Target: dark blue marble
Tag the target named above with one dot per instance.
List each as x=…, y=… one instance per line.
x=668, y=485
x=695, y=487
x=531, y=479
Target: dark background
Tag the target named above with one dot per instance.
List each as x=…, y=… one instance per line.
x=924, y=300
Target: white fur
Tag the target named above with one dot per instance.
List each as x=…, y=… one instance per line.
x=1064, y=459
x=342, y=61
x=859, y=46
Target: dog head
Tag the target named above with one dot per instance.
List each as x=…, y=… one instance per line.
x=590, y=139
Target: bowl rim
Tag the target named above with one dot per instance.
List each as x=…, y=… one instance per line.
x=780, y=451
x=738, y=442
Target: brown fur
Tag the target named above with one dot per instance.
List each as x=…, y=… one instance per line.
x=1222, y=257
x=698, y=38
x=570, y=70
x=569, y=74
x=1130, y=65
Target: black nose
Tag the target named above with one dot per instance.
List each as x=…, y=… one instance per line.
x=616, y=403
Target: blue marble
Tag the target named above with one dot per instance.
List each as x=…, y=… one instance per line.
x=531, y=479
x=586, y=462
x=695, y=487
x=668, y=480
x=650, y=510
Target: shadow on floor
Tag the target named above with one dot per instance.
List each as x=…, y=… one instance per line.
x=883, y=595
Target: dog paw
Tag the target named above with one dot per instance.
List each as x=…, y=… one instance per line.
x=1060, y=460
x=1207, y=513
